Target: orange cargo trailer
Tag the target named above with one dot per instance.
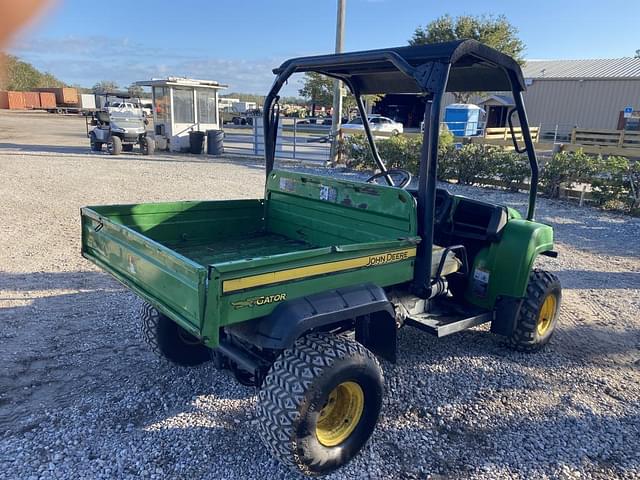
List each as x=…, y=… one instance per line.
x=12, y=100
x=64, y=95
x=47, y=100
x=31, y=100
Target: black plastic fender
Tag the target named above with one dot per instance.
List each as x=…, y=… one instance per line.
x=366, y=304
x=507, y=310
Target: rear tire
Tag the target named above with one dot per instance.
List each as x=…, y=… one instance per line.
x=538, y=316
x=96, y=146
x=148, y=146
x=169, y=340
x=320, y=403
x=114, y=145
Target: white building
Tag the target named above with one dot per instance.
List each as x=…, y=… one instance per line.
x=180, y=106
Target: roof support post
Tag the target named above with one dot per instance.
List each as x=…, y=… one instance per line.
x=528, y=142
x=433, y=79
x=270, y=119
x=372, y=143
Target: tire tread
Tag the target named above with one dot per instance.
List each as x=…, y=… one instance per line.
x=290, y=376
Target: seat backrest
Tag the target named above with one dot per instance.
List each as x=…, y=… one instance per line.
x=327, y=211
x=103, y=117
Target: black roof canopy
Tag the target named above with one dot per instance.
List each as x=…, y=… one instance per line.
x=474, y=68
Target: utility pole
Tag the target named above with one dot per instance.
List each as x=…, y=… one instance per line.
x=337, y=84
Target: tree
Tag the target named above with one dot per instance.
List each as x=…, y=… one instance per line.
x=317, y=89
x=21, y=75
x=637, y=53
x=105, y=86
x=495, y=31
x=135, y=90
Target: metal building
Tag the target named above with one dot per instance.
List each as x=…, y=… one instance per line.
x=582, y=93
x=561, y=95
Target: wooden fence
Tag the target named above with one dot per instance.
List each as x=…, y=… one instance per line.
x=606, y=142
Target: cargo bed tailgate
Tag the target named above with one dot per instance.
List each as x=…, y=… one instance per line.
x=171, y=282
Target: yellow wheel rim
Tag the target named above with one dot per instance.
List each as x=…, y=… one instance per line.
x=340, y=415
x=547, y=312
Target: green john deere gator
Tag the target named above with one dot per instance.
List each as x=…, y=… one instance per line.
x=297, y=292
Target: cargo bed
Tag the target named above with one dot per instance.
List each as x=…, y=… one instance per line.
x=213, y=263
x=259, y=244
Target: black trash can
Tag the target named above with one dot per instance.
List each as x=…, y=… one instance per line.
x=196, y=142
x=215, y=144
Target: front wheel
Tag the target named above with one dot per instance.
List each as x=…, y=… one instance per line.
x=114, y=145
x=148, y=146
x=320, y=403
x=538, y=316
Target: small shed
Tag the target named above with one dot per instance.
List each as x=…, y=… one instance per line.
x=497, y=108
x=183, y=105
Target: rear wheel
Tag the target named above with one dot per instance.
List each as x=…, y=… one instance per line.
x=114, y=145
x=320, y=403
x=538, y=315
x=169, y=340
x=96, y=146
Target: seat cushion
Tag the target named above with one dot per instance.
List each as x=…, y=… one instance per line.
x=451, y=265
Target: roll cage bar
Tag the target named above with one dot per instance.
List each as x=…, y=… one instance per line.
x=428, y=70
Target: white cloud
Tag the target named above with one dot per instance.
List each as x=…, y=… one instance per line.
x=87, y=60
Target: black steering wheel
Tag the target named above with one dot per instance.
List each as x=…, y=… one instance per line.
x=405, y=177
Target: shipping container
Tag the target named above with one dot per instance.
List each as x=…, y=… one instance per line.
x=12, y=100
x=64, y=95
x=48, y=100
x=31, y=100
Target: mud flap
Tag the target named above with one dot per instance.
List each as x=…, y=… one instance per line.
x=507, y=310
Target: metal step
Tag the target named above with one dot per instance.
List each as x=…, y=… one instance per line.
x=441, y=326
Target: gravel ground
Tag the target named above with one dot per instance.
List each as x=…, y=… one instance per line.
x=82, y=397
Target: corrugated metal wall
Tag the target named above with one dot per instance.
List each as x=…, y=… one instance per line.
x=586, y=103
x=569, y=103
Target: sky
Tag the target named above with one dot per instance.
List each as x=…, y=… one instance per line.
x=239, y=42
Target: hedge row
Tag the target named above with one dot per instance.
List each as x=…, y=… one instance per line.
x=615, y=181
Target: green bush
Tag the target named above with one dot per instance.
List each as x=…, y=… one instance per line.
x=356, y=153
x=616, y=184
x=512, y=168
x=398, y=151
x=615, y=181
x=610, y=182
x=566, y=169
x=473, y=163
x=401, y=152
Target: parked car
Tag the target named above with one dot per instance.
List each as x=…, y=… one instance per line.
x=378, y=124
x=118, y=106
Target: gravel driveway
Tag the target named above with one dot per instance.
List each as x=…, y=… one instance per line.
x=82, y=397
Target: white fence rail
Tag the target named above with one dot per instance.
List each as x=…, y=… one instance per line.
x=297, y=139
